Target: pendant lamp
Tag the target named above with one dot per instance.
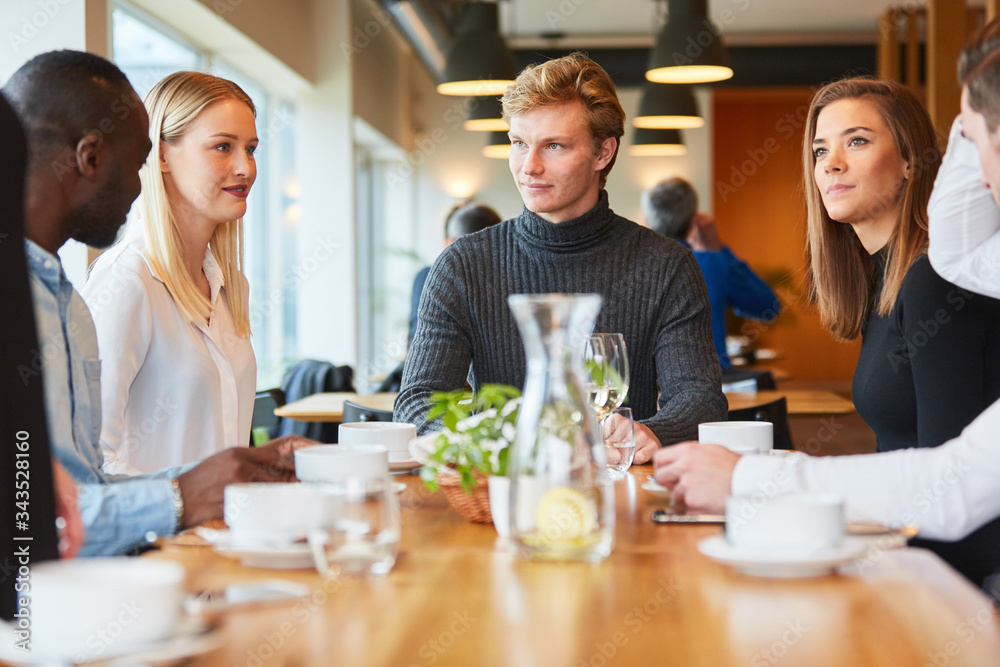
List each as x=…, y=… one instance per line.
x=657, y=143
x=478, y=62
x=689, y=48
x=485, y=115
x=668, y=106
x=497, y=146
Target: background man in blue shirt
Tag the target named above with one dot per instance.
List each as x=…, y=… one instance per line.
x=671, y=208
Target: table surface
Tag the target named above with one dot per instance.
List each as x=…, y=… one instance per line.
x=329, y=407
x=458, y=596
x=800, y=401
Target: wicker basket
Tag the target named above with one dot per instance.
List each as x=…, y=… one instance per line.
x=474, y=506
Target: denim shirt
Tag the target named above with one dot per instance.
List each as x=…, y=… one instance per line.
x=117, y=511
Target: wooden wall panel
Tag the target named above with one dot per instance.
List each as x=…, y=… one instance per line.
x=760, y=212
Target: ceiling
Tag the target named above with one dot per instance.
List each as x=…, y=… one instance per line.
x=746, y=18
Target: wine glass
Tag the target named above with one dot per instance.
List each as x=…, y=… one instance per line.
x=606, y=362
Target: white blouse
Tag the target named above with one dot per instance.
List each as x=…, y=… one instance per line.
x=172, y=392
x=947, y=491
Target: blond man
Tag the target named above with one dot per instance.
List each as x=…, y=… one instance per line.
x=566, y=126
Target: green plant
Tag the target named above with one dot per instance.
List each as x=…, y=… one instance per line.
x=478, y=432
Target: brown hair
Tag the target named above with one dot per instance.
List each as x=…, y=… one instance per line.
x=982, y=44
x=983, y=83
x=841, y=272
x=572, y=77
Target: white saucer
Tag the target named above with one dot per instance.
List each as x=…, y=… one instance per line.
x=400, y=466
x=192, y=637
x=657, y=490
x=777, y=565
x=287, y=557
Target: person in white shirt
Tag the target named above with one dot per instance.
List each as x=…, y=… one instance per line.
x=169, y=301
x=947, y=491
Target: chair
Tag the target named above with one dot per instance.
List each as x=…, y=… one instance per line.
x=742, y=380
x=358, y=413
x=264, y=423
x=309, y=377
x=775, y=412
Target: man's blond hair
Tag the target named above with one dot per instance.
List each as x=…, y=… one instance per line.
x=572, y=77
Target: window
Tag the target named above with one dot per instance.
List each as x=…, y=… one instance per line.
x=147, y=51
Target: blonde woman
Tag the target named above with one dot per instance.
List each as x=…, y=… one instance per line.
x=170, y=301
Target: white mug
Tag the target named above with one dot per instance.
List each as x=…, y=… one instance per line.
x=394, y=436
x=793, y=523
x=334, y=463
x=92, y=608
x=741, y=437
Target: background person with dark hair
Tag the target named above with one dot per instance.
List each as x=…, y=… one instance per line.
x=462, y=219
x=671, y=208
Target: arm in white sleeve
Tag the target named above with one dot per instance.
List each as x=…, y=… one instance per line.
x=947, y=491
x=119, y=304
x=964, y=220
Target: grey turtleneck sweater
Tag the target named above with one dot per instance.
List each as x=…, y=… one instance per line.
x=653, y=293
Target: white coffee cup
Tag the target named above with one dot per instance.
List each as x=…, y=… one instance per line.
x=86, y=609
x=271, y=514
x=794, y=523
x=741, y=437
x=335, y=463
x=394, y=436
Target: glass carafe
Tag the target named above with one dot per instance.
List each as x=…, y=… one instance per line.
x=562, y=503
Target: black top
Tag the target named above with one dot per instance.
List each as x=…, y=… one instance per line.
x=654, y=295
x=926, y=370
x=23, y=513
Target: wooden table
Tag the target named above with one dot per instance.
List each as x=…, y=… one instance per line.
x=458, y=597
x=329, y=407
x=800, y=401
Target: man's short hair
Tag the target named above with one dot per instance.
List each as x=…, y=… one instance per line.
x=566, y=79
x=670, y=206
x=61, y=96
x=982, y=44
x=468, y=218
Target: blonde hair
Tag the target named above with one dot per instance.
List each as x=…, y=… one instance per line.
x=841, y=272
x=566, y=79
x=173, y=104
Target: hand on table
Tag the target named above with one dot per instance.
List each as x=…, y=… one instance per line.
x=71, y=535
x=646, y=444
x=202, y=487
x=699, y=476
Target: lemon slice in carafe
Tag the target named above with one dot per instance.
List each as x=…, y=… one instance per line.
x=565, y=514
